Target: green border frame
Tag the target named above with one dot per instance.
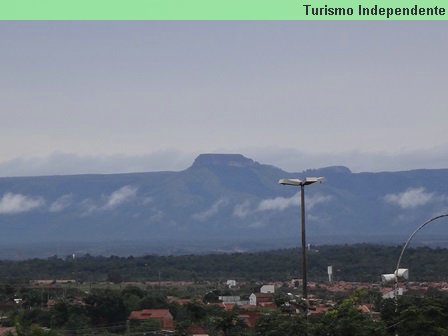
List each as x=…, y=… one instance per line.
x=203, y=9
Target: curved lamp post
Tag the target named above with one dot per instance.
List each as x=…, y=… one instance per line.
x=397, y=269
x=302, y=184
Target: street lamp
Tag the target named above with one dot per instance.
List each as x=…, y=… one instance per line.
x=397, y=269
x=403, y=272
x=302, y=184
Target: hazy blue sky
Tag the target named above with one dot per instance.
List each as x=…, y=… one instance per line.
x=133, y=96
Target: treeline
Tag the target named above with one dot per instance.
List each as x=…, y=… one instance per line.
x=360, y=262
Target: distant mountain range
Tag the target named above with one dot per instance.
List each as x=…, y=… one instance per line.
x=222, y=202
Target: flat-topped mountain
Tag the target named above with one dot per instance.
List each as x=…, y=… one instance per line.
x=224, y=198
x=233, y=160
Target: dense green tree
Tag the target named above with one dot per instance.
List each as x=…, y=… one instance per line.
x=6, y=292
x=153, y=301
x=347, y=320
x=144, y=326
x=114, y=277
x=231, y=324
x=212, y=296
x=105, y=307
x=278, y=324
x=59, y=314
x=419, y=316
x=360, y=262
x=133, y=290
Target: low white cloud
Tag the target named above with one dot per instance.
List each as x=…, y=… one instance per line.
x=12, y=203
x=257, y=224
x=120, y=196
x=213, y=210
x=279, y=204
x=316, y=199
x=156, y=216
x=61, y=203
x=147, y=200
x=411, y=198
x=88, y=207
x=242, y=210
x=282, y=203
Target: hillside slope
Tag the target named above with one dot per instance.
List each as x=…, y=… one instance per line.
x=220, y=198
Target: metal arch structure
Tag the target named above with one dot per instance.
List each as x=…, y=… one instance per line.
x=404, y=248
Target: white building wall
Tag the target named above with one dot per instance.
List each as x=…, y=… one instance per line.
x=229, y=299
x=252, y=300
x=267, y=289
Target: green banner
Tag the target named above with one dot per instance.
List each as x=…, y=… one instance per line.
x=222, y=10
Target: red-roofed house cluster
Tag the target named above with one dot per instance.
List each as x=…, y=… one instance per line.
x=162, y=316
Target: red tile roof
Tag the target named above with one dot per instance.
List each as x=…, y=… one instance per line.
x=320, y=309
x=250, y=318
x=264, y=295
x=150, y=313
x=6, y=330
x=162, y=315
x=270, y=305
